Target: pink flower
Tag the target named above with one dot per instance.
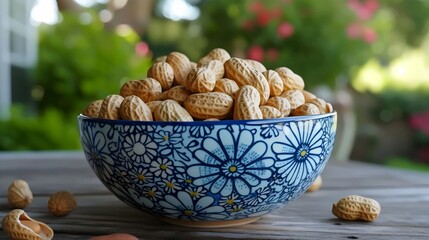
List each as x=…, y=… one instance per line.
x=371, y=5
x=363, y=9
x=285, y=30
x=276, y=13
x=142, y=49
x=423, y=154
x=248, y=25
x=420, y=121
x=364, y=13
x=354, y=30
x=256, y=7
x=273, y=54
x=353, y=4
x=256, y=52
x=263, y=18
x=369, y=35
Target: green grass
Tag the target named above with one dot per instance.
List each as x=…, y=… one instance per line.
x=406, y=163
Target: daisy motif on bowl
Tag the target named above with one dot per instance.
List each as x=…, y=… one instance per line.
x=140, y=147
x=270, y=130
x=165, y=139
x=328, y=137
x=170, y=143
x=184, y=179
x=235, y=209
x=152, y=193
x=141, y=175
x=200, y=131
x=94, y=147
x=125, y=130
x=196, y=192
x=301, y=152
x=170, y=185
x=140, y=199
x=120, y=175
x=229, y=200
x=258, y=197
x=161, y=167
x=183, y=207
x=231, y=163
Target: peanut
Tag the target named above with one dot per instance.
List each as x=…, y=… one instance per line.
x=61, y=203
x=256, y=65
x=115, y=236
x=201, y=80
x=270, y=112
x=160, y=59
x=153, y=105
x=110, y=107
x=243, y=73
x=227, y=86
x=354, y=207
x=209, y=105
x=291, y=80
x=133, y=108
x=181, y=66
x=281, y=103
x=93, y=109
x=175, y=77
x=34, y=226
x=215, y=54
x=305, y=110
x=177, y=93
x=275, y=82
x=211, y=119
x=246, y=105
x=329, y=108
x=19, y=194
x=129, y=88
x=170, y=110
x=163, y=73
x=217, y=67
x=316, y=185
x=320, y=104
x=308, y=95
x=148, y=89
x=193, y=64
x=18, y=225
x=295, y=98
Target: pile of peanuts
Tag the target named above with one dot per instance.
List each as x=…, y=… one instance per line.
x=217, y=87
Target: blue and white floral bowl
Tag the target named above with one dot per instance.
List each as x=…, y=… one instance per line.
x=208, y=173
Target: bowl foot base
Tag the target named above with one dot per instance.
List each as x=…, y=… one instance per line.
x=209, y=224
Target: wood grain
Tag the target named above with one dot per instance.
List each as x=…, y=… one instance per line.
x=403, y=196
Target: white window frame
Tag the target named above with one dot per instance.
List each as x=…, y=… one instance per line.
x=7, y=57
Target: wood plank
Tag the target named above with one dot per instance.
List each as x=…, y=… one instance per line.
x=403, y=195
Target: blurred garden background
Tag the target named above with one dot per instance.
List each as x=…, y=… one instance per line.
x=370, y=58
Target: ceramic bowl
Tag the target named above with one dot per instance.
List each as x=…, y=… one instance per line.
x=208, y=173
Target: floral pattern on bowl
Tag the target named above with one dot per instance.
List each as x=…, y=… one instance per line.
x=208, y=171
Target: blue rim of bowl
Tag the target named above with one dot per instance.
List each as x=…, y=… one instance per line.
x=202, y=123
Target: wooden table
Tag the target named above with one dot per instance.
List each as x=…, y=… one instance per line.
x=403, y=195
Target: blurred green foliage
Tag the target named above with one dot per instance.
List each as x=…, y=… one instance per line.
x=320, y=40
x=49, y=130
x=79, y=62
x=312, y=41
x=406, y=163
